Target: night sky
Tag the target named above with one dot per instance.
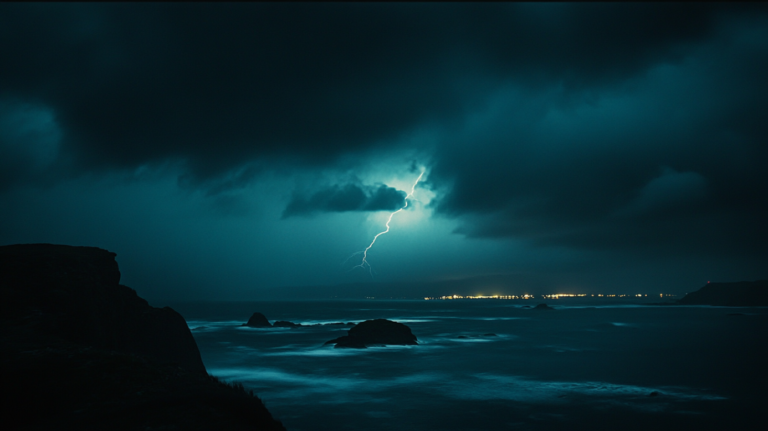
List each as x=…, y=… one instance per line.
x=243, y=151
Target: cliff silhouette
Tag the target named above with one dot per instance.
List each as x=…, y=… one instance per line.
x=81, y=351
x=739, y=294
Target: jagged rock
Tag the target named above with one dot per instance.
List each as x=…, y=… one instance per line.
x=286, y=324
x=543, y=307
x=375, y=332
x=741, y=294
x=258, y=320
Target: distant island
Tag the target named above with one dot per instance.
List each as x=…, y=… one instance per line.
x=739, y=294
x=81, y=351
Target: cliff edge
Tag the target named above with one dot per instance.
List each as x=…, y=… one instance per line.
x=86, y=352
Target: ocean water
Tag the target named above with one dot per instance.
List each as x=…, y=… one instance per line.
x=584, y=365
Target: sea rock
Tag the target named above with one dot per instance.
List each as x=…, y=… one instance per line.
x=286, y=324
x=375, y=332
x=258, y=320
x=543, y=307
x=68, y=327
x=740, y=294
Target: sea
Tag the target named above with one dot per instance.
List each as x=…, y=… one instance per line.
x=490, y=364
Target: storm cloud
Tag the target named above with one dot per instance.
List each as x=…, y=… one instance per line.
x=214, y=85
x=601, y=133
x=349, y=197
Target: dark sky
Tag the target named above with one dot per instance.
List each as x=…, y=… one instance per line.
x=243, y=150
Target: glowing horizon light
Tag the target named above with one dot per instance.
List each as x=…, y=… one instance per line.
x=545, y=296
x=364, y=263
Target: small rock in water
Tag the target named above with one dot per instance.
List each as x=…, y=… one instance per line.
x=258, y=320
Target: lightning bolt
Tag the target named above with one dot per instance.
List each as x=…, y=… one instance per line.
x=364, y=264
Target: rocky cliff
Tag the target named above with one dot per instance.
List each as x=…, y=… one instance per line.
x=740, y=294
x=89, y=353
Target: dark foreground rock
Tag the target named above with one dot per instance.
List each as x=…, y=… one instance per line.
x=80, y=351
x=378, y=332
x=740, y=294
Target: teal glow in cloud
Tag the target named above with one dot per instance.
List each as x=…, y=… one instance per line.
x=364, y=263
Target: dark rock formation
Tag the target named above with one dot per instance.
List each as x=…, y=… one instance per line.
x=258, y=320
x=286, y=324
x=740, y=294
x=73, y=293
x=95, y=355
x=375, y=332
x=543, y=307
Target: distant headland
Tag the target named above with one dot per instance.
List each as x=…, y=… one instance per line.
x=738, y=294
